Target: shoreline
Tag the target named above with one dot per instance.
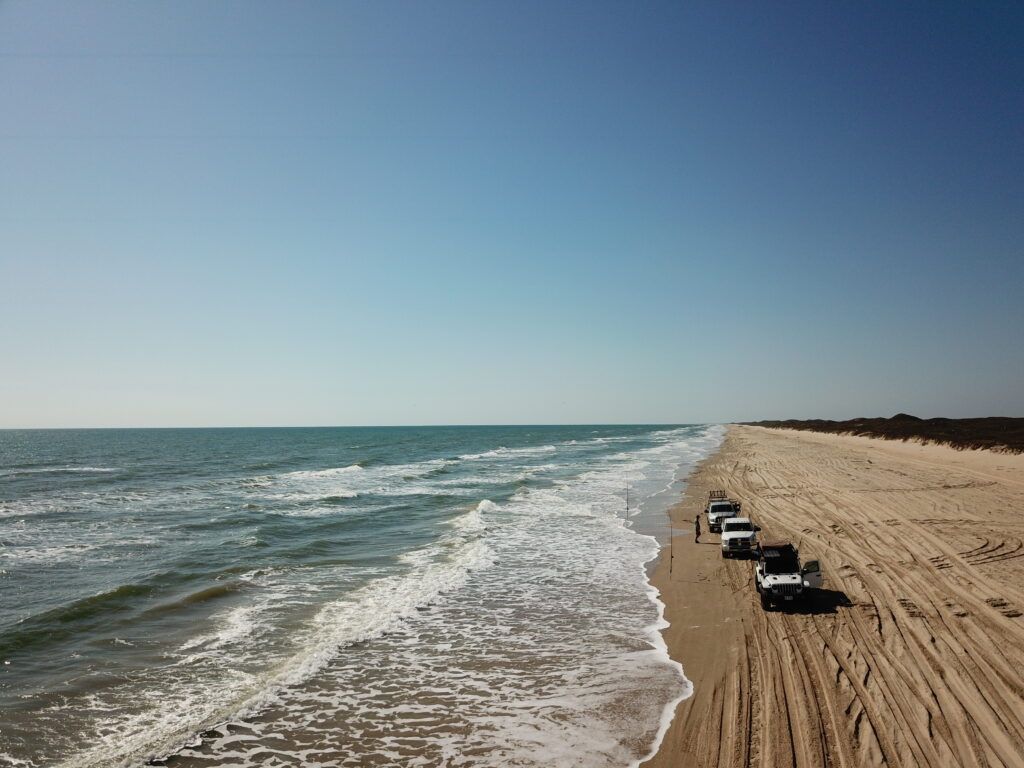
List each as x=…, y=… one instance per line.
x=687, y=645
x=922, y=547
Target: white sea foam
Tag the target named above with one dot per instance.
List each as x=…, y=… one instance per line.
x=351, y=469
x=472, y=522
x=367, y=612
x=57, y=471
x=42, y=554
x=502, y=452
x=524, y=634
x=351, y=481
x=238, y=623
x=553, y=657
x=15, y=762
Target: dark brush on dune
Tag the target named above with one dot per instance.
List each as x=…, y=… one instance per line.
x=998, y=433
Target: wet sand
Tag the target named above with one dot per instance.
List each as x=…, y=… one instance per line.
x=912, y=654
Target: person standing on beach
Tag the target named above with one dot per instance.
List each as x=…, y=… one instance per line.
x=696, y=529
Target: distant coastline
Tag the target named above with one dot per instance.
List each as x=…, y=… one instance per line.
x=997, y=433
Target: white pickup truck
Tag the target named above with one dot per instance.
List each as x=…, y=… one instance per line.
x=739, y=537
x=718, y=508
x=780, y=579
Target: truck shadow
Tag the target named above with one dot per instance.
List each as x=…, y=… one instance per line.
x=818, y=601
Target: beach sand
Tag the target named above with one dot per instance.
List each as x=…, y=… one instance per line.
x=912, y=654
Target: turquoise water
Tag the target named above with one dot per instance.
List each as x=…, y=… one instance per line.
x=335, y=596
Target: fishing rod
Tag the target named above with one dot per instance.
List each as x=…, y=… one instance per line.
x=671, y=544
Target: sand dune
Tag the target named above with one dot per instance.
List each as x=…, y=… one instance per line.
x=913, y=654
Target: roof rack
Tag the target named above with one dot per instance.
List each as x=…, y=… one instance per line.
x=777, y=544
x=717, y=495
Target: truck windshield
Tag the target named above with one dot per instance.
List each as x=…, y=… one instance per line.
x=718, y=509
x=731, y=527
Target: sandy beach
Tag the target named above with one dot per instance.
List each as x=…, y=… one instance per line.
x=911, y=655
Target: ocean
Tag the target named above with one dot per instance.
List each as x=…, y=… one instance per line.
x=442, y=596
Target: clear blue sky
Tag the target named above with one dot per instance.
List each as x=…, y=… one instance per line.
x=478, y=212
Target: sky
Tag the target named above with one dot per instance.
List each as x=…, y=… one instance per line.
x=302, y=213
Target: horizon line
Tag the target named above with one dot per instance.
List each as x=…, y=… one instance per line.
x=384, y=426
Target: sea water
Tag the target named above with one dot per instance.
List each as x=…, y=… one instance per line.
x=445, y=596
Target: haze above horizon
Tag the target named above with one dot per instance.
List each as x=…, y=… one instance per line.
x=508, y=213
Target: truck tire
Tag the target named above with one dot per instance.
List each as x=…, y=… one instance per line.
x=766, y=604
